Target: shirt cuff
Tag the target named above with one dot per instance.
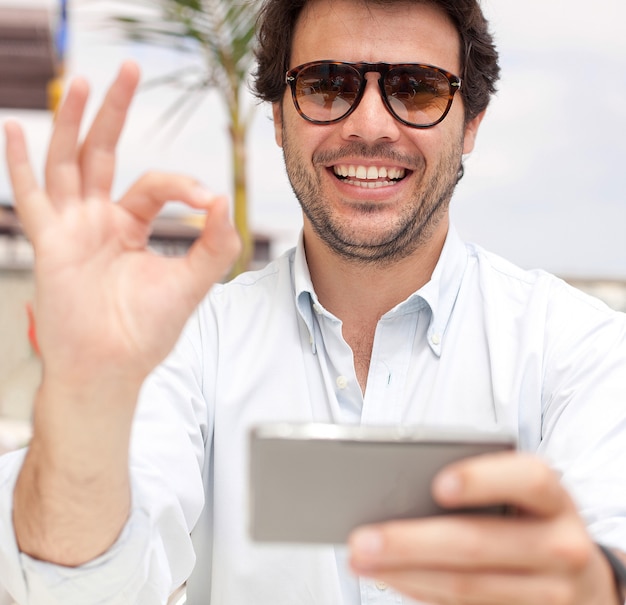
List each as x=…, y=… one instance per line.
x=134, y=570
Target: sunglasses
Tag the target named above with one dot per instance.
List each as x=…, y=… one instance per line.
x=328, y=91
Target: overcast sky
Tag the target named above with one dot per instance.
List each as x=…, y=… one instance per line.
x=544, y=186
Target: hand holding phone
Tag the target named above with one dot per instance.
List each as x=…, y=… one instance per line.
x=315, y=483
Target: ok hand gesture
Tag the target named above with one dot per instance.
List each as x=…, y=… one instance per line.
x=106, y=306
x=108, y=310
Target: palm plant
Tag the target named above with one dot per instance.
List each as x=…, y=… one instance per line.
x=222, y=32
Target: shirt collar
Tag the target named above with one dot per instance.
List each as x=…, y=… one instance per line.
x=439, y=294
x=306, y=297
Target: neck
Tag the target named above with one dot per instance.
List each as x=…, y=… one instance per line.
x=359, y=294
x=363, y=292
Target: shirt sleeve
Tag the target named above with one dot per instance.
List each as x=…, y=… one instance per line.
x=584, y=409
x=153, y=554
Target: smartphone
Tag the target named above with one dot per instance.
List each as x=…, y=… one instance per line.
x=315, y=483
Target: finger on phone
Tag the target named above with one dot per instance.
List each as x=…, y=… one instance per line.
x=516, y=479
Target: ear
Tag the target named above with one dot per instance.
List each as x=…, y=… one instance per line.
x=471, y=131
x=277, y=112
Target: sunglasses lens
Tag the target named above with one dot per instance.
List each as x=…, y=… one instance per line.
x=417, y=94
x=325, y=92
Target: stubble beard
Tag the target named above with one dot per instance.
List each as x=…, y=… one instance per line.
x=411, y=230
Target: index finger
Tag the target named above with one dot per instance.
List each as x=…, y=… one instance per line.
x=520, y=480
x=97, y=156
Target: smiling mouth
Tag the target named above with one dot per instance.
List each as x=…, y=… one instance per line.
x=370, y=177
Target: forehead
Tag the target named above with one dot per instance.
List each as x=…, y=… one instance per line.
x=354, y=30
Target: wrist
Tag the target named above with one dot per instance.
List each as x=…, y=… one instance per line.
x=82, y=384
x=80, y=432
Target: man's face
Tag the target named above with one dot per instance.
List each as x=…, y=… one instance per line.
x=410, y=207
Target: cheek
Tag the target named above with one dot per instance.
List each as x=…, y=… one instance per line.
x=303, y=139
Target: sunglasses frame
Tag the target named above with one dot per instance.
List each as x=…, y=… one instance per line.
x=383, y=69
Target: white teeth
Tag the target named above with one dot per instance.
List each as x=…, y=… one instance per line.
x=368, y=173
x=371, y=184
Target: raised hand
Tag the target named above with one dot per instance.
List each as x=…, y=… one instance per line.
x=108, y=310
x=542, y=555
x=104, y=302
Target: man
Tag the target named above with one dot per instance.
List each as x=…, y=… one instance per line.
x=380, y=316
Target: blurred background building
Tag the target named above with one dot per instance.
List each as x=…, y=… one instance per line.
x=31, y=56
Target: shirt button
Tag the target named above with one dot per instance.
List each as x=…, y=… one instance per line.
x=436, y=339
x=317, y=308
x=381, y=585
x=342, y=382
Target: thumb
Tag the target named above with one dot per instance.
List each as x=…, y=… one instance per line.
x=215, y=251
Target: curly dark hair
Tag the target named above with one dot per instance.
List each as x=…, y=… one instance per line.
x=479, y=57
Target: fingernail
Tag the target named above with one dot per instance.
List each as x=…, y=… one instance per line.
x=366, y=542
x=448, y=484
x=201, y=195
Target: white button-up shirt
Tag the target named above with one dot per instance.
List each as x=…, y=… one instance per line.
x=483, y=344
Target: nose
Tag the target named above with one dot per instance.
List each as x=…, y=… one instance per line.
x=371, y=120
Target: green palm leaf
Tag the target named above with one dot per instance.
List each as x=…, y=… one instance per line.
x=222, y=33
